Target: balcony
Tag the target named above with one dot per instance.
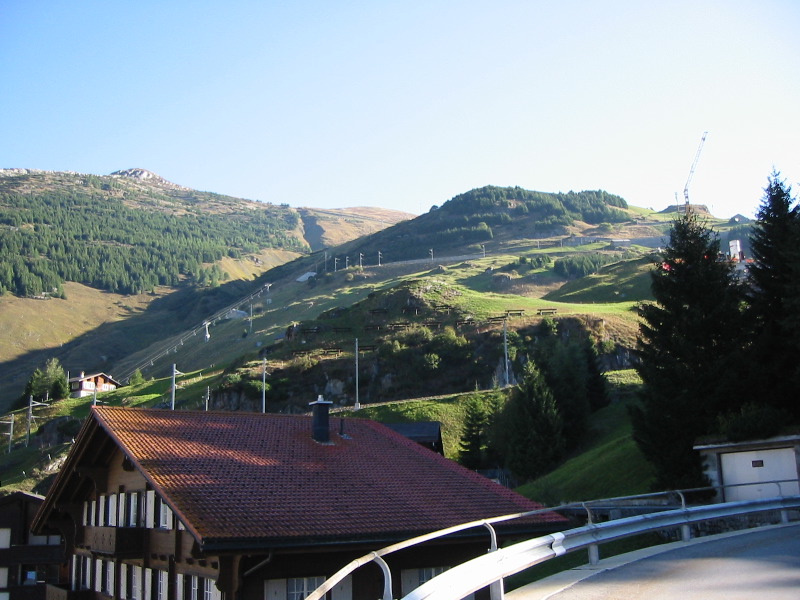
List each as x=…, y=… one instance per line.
x=122, y=542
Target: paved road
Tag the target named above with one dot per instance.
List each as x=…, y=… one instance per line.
x=760, y=564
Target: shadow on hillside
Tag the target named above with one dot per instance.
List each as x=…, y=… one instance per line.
x=104, y=347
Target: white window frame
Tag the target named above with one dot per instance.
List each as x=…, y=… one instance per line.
x=162, y=591
x=194, y=584
x=164, y=515
x=297, y=588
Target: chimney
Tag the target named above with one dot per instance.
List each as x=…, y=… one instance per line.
x=320, y=430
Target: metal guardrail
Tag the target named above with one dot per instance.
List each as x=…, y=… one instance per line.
x=489, y=570
x=475, y=574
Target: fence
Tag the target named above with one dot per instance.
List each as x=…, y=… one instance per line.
x=489, y=570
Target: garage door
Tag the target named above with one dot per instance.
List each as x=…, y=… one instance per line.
x=756, y=467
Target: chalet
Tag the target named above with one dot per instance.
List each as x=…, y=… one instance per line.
x=27, y=561
x=87, y=385
x=185, y=505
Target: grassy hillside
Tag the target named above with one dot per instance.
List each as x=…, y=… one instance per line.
x=608, y=465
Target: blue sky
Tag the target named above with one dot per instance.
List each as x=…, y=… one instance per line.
x=404, y=105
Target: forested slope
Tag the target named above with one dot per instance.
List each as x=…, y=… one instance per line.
x=104, y=233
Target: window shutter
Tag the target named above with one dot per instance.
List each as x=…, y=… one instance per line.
x=98, y=575
x=121, y=505
x=275, y=589
x=110, y=574
x=150, y=511
x=409, y=581
x=343, y=590
x=112, y=510
x=123, y=581
x=148, y=584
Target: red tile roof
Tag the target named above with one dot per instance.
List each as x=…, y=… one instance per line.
x=234, y=476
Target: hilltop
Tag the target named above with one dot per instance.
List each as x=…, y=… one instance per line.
x=494, y=234
x=83, y=254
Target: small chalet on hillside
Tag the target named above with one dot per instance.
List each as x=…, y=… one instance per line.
x=184, y=505
x=87, y=385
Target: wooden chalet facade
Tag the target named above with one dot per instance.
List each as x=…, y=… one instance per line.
x=88, y=385
x=27, y=561
x=184, y=505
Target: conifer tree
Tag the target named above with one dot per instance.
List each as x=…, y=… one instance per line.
x=472, y=438
x=534, y=439
x=689, y=350
x=773, y=299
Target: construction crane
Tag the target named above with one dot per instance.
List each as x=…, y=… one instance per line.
x=691, y=171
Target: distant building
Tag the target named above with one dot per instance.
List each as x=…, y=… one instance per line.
x=306, y=276
x=27, y=561
x=185, y=505
x=752, y=467
x=425, y=433
x=87, y=385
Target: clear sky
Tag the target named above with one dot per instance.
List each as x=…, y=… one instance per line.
x=405, y=104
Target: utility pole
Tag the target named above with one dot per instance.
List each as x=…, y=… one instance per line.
x=10, y=423
x=264, y=387
x=357, y=405
x=174, y=373
x=208, y=396
x=31, y=404
x=379, y=258
x=335, y=264
x=360, y=259
x=505, y=351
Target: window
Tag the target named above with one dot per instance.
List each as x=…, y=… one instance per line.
x=411, y=579
x=5, y=537
x=208, y=589
x=193, y=584
x=133, y=509
x=108, y=577
x=164, y=515
x=428, y=573
x=161, y=591
x=297, y=588
x=86, y=572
